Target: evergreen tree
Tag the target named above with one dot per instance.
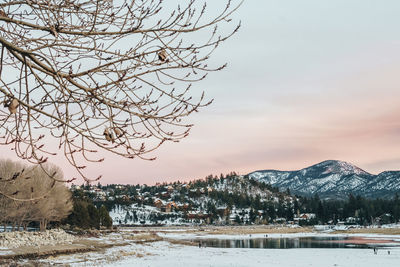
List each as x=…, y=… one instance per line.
x=237, y=219
x=320, y=212
x=396, y=208
x=94, y=219
x=252, y=216
x=105, y=219
x=79, y=216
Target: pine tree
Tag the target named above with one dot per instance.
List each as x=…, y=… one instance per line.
x=79, y=216
x=94, y=220
x=105, y=219
x=320, y=212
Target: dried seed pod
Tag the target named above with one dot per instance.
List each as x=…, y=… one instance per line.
x=118, y=132
x=162, y=56
x=108, y=135
x=12, y=107
x=3, y=14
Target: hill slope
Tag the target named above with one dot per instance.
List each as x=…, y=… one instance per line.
x=332, y=179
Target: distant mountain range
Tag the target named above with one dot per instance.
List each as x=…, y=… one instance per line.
x=332, y=179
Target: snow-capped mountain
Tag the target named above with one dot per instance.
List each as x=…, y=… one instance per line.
x=332, y=179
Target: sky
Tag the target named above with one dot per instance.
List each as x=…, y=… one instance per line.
x=306, y=81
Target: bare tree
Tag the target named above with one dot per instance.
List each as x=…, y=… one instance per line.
x=103, y=75
x=29, y=195
x=57, y=201
x=10, y=210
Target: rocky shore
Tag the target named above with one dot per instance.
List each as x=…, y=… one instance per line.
x=37, y=239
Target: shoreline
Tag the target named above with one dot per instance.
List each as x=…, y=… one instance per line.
x=258, y=229
x=42, y=252
x=175, y=235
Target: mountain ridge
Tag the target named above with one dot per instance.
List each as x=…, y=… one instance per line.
x=332, y=179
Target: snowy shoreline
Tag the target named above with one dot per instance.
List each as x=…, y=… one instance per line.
x=48, y=238
x=170, y=254
x=164, y=246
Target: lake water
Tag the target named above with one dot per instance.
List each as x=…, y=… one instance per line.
x=286, y=243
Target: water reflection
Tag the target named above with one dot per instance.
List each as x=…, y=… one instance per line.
x=284, y=243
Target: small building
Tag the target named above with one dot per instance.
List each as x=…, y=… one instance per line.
x=351, y=220
x=171, y=206
x=307, y=216
x=183, y=207
x=223, y=211
x=165, y=194
x=170, y=189
x=158, y=203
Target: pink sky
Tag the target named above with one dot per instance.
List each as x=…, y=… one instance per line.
x=308, y=82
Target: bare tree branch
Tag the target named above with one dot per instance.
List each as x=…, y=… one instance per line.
x=102, y=75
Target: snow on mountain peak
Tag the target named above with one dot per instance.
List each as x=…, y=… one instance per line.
x=337, y=166
x=331, y=178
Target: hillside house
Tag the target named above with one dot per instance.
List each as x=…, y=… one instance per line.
x=223, y=212
x=195, y=215
x=351, y=220
x=170, y=189
x=165, y=194
x=183, y=207
x=171, y=206
x=306, y=216
x=158, y=203
x=126, y=198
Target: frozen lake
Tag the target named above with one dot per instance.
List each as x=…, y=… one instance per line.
x=296, y=242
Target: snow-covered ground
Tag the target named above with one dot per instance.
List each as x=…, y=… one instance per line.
x=175, y=254
x=166, y=255
x=144, y=215
x=170, y=255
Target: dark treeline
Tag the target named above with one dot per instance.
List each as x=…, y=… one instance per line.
x=355, y=209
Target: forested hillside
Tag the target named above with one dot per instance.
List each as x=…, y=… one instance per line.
x=233, y=199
